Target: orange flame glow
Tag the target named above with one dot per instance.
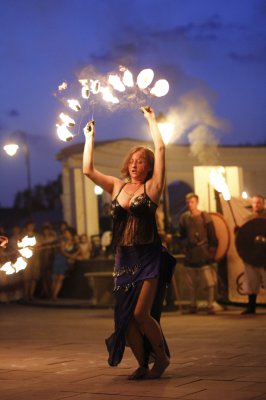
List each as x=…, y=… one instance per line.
x=217, y=180
x=74, y=104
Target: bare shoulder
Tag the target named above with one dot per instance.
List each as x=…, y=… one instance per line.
x=118, y=184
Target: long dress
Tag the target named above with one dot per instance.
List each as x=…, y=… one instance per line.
x=144, y=258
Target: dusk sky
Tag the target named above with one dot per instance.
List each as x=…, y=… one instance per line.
x=212, y=52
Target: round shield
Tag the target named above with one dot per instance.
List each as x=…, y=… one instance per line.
x=222, y=234
x=251, y=242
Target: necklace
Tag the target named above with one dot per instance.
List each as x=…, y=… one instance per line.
x=132, y=194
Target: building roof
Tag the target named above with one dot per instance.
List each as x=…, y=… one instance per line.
x=77, y=148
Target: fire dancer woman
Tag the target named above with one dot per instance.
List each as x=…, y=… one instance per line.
x=142, y=266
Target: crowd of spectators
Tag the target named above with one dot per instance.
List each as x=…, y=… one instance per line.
x=57, y=251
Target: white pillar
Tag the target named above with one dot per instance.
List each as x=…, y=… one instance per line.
x=79, y=201
x=91, y=208
x=66, y=196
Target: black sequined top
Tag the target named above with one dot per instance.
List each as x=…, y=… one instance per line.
x=135, y=225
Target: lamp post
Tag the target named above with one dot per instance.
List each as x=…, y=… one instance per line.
x=166, y=128
x=11, y=149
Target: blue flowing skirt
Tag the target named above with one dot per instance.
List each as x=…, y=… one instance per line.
x=133, y=265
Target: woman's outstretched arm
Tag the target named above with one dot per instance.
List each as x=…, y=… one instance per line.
x=107, y=182
x=156, y=183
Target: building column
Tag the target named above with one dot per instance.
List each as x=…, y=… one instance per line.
x=91, y=208
x=66, y=196
x=79, y=201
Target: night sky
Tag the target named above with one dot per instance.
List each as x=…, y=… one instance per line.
x=212, y=52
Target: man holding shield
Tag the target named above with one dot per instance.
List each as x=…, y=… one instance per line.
x=197, y=230
x=250, y=243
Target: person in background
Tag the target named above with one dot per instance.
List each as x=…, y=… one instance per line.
x=197, y=230
x=32, y=273
x=49, y=240
x=13, y=241
x=84, y=248
x=254, y=277
x=65, y=256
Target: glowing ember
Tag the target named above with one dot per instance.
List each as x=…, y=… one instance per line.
x=74, y=104
x=67, y=120
x=108, y=96
x=145, y=78
x=63, y=133
x=7, y=268
x=95, y=86
x=116, y=82
x=63, y=86
x=217, y=180
x=161, y=88
x=128, y=78
x=20, y=264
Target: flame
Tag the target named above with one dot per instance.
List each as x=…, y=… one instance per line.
x=74, y=104
x=84, y=82
x=217, y=180
x=85, y=92
x=128, y=78
x=63, y=86
x=108, y=96
x=26, y=252
x=20, y=264
x=95, y=86
x=161, y=88
x=67, y=120
x=244, y=195
x=166, y=129
x=144, y=78
x=116, y=82
x=7, y=268
x=27, y=241
x=63, y=133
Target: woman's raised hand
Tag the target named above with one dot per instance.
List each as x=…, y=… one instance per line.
x=148, y=113
x=89, y=129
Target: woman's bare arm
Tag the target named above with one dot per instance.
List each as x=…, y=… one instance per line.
x=107, y=182
x=156, y=183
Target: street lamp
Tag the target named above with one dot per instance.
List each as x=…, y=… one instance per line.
x=11, y=149
x=166, y=128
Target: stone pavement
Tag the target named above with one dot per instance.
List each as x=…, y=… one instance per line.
x=59, y=353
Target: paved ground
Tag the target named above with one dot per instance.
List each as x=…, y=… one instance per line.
x=59, y=353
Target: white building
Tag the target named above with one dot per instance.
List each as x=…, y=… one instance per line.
x=80, y=206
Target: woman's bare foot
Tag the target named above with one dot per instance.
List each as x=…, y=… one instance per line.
x=140, y=373
x=158, y=368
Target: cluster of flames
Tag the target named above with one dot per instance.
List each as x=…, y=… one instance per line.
x=114, y=83
x=25, y=249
